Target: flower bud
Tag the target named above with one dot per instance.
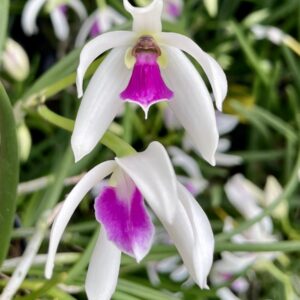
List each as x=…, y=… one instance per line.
x=15, y=60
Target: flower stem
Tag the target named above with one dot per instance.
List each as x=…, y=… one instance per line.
x=110, y=140
x=286, y=246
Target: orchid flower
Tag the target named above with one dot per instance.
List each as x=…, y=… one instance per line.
x=194, y=181
x=147, y=66
x=15, y=60
x=225, y=124
x=247, y=199
x=276, y=36
x=225, y=269
x=102, y=20
x=244, y=196
x=126, y=225
x=172, y=10
x=57, y=11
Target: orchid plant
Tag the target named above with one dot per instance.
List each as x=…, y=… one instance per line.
x=146, y=214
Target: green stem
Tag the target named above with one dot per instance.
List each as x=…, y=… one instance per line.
x=110, y=140
x=250, y=53
x=286, y=246
x=280, y=276
x=264, y=117
x=101, y=4
x=289, y=230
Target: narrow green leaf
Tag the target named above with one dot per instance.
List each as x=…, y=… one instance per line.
x=4, y=10
x=60, y=70
x=9, y=171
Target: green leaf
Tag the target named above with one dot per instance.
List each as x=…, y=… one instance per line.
x=59, y=71
x=9, y=171
x=4, y=10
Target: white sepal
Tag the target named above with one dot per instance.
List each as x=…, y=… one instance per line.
x=192, y=103
x=100, y=104
x=203, y=242
x=79, y=8
x=102, y=276
x=146, y=19
x=60, y=24
x=70, y=204
x=29, y=15
x=211, y=68
x=85, y=29
x=96, y=47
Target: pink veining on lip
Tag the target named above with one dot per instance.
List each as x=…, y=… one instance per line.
x=95, y=29
x=127, y=222
x=146, y=85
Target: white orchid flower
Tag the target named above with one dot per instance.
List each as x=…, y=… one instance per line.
x=172, y=10
x=57, y=11
x=244, y=196
x=225, y=269
x=15, y=60
x=102, y=20
x=248, y=199
x=132, y=232
x=193, y=181
x=147, y=66
x=225, y=124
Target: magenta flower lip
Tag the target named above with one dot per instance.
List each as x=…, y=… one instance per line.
x=126, y=221
x=146, y=85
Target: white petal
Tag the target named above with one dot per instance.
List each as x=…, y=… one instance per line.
x=184, y=161
x=96, y=47
x=226, y=294
x=115, y=16
x=241, y=197
x=153, y=174
x=109, y=17
x=100, y=104
x=203, y=237
x=272, y=190
x=228, y=160
x=192, y=103
x=29, y=15
x=146, y=19
x=72, y=201
x=102, y=275
x=180, y=274
x=60, y=24
x=170, y=120
x=85, y=29
x=79, y=8
x=224, y=145
x=226, y=123
x=211, y=68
